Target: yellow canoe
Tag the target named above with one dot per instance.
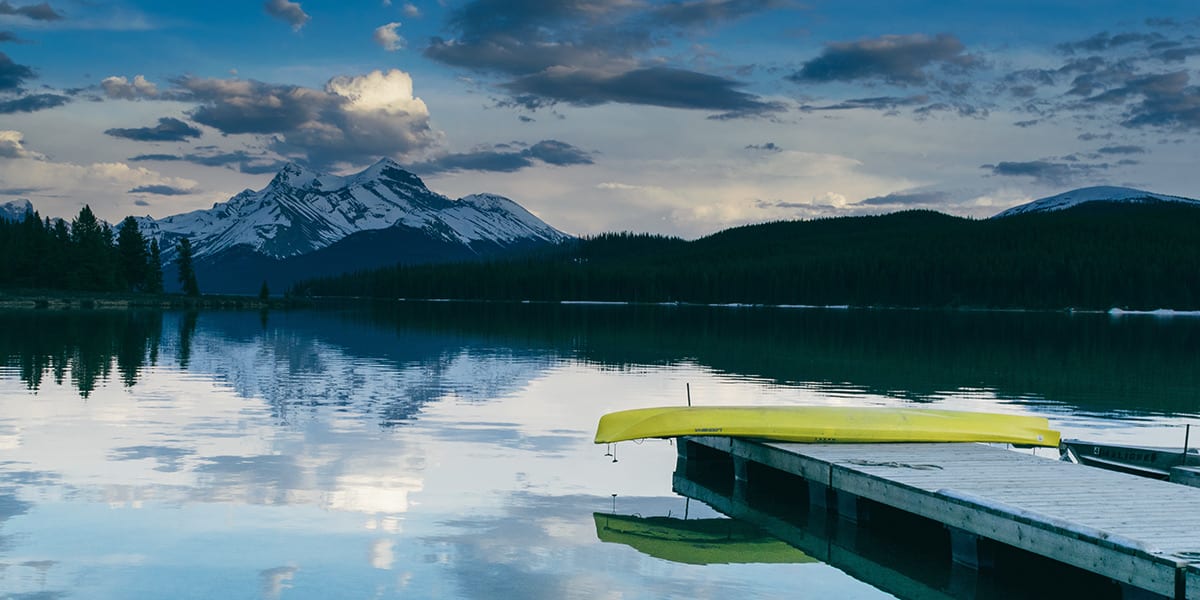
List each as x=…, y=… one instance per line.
x=696, y=541
x=826, y=425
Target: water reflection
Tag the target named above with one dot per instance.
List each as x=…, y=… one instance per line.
x=443, y=450
x=1094, y=363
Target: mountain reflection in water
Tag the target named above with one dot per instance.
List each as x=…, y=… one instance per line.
x=445, y=449
x=1091, y=362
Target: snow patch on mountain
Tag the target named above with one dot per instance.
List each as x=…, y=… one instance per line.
x=14, y=210
x=1103, y=193
x=302, y=210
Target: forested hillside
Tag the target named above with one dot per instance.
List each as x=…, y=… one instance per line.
x=1096, y=256
x=37, y=254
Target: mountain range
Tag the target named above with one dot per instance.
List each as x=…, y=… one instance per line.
x=1103, y=193
x=14, y=210
x=307, y=224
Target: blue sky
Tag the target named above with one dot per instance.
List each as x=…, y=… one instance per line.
x=681, y=117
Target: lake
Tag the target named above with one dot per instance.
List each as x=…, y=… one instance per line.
x=444, y=449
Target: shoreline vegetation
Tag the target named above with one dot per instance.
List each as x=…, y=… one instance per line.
x=1091, y=257
x=1095, y=257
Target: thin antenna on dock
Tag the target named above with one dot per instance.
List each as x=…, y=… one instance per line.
x=689, y=392
x=1187, y=432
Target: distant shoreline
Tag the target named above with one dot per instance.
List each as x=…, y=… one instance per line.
x=63, y=300
x=81, y=300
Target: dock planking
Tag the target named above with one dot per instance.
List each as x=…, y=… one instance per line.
x=1137, y=531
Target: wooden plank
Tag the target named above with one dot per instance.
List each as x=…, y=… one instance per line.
x=1137, y=531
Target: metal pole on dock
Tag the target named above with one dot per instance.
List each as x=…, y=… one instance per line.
x=1187, y=431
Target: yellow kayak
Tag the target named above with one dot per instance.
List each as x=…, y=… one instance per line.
x=826, y=425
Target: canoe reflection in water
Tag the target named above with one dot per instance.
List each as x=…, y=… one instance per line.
x=696, y=541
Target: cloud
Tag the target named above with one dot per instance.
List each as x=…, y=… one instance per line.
x=32, y=103
x=502, y=160
x=908, y=199
x=240, y=160
x=896, y=59
x=589, y=52
x=554, y=152
x=1045, y=171
x=884, y=103
x=120, y=88
x=480, y=160
x=168, y=130
x=161, y=190
x=288, y=12
x=37, y=12
x=691, y=13
x=386, y=37
x=8, y=36
x=353, y=119
x=12, y=145
x=1104, y=41
x=1166, y=101
x=767, y=147
x=12, y=75
x=654, y=86
x=162, y=157
x=106, y=184
x=1127, y=149
x=962, y=109
x=411, y=11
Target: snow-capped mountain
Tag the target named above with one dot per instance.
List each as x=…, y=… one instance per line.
x=302, y=210
x=1103, y=193
x=14, y=210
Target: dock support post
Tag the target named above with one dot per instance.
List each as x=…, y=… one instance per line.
x=851, y=507
x=1132, y=592
x=970, y=550
x=818, y=495
x=741, y=479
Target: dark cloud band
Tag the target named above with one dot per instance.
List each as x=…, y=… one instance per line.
x=37, y=12
x=654, y=86
x=288, y=12
x=895, y=59
x=168, y=130
x=32, y=103
x=500, y=159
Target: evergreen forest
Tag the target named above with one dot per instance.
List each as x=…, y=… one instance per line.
x=1092, y=256
x=88, y=255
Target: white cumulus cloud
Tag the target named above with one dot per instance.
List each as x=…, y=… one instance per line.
x=120, y=88
x=12, y=145
x=386, y=36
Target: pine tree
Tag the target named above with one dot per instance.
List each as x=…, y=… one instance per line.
x=264, y=292
x=187, y=275
x=92, y=254
x=132, y=255
x=154, y=275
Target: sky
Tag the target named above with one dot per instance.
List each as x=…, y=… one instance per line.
x=679, y=117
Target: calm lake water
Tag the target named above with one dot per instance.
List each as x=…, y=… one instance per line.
x=444, y=450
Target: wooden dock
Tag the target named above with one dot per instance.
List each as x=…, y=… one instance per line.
x=1142, y=533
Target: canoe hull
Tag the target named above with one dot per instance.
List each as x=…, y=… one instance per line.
x=1146, y=461
x=826, y=425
